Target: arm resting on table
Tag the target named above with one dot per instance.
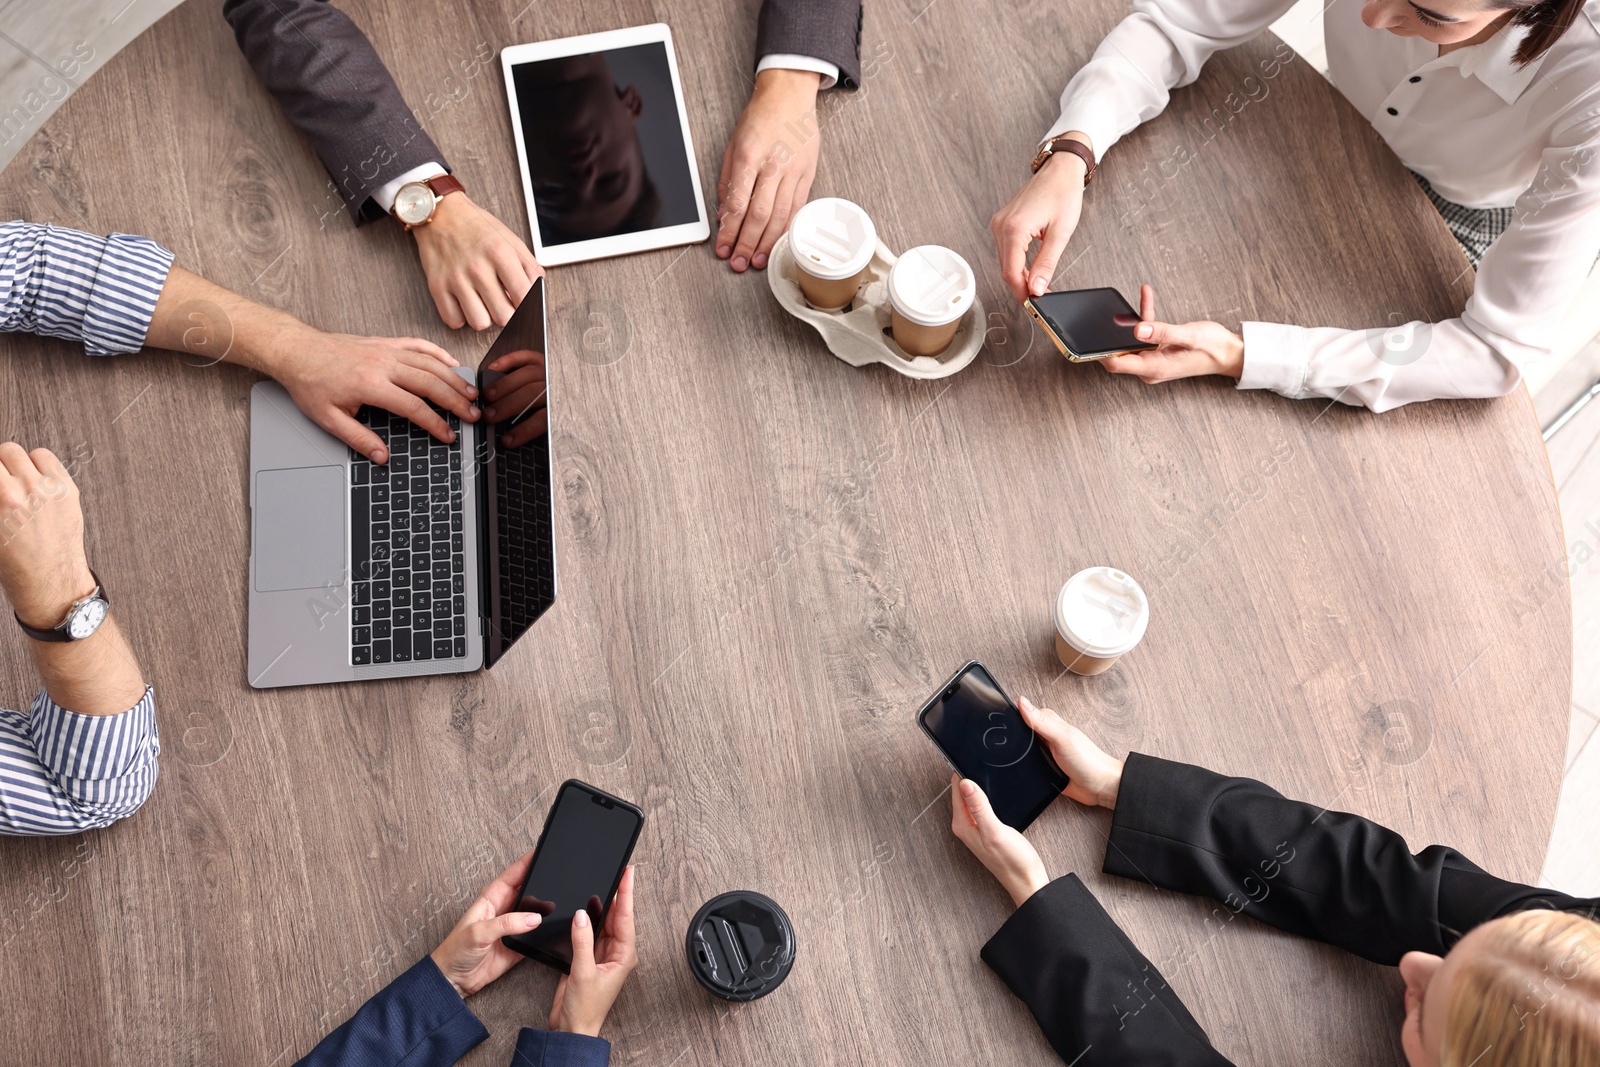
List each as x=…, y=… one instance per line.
x=1095, y=996
x=1322, y=874
x=557, y=1048
x=417, y=1020
x=99, y=291
x=829, y=30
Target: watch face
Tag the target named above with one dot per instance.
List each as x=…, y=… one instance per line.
x=87, y=619
x=414, y=203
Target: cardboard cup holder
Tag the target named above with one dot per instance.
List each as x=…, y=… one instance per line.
x=859, y=334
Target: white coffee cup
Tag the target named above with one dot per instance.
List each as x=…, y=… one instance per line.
x=930, y=289
x=1101, y=613
x=832, y=241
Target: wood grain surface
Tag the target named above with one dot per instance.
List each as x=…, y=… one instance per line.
x=769, y=558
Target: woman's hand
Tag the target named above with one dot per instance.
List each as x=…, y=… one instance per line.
x=1094, y=776
x=1186, y=351
x=472, y=956
x=768, y=166
x=584, y=996
x=477, y=269
x=1046, y=210
x=1007, y=854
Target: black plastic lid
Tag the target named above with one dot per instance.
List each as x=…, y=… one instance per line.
x=740, y=945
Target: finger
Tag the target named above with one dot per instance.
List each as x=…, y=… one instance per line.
x=1044, y=722
x=733, y=197
x=960, y=814
x=359, y=437
x=430, y=366
x=449, y=307
x=427, y=348
x=529, y=393
x=582, y=947
x=531, y=373
x=471, y=304
x=17, y=463
x=501, y=894
x=534, y=425
x=782, y=207
x=430, y=387
x=520, y=358
x=510, y=924
x=1165, y=333
x=487, y=283
x=620, y=946
x=514, y=278
x=1011, y=246
x=1052, y=243
x=755, y=219
x=410, y=406
x=45, y=462
x=1147, y=302
x=977, y=802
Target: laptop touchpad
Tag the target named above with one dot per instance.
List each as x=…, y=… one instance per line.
x=299, y=534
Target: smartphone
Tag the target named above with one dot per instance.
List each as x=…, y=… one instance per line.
x=1088, y=324
x=578, y=863
x=983, y=736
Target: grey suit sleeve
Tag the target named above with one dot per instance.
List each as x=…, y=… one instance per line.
x=335, y=90
x=823, y=29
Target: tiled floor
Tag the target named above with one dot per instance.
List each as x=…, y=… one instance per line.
x=47, y=50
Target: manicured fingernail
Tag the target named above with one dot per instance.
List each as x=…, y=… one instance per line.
x=581, y=919
x=1144, y=331
x=723, y=251
x=759, y=261
x=739, y=263
x=531, y=920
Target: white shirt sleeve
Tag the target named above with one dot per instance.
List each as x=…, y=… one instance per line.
x=384, y=194
x=789, y=61
x=1159, y=47
x=1525, y=284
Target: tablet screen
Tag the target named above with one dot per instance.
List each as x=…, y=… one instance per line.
x=606, y=153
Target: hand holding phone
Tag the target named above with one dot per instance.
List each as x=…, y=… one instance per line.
x=600, y=966
x=1088, y=324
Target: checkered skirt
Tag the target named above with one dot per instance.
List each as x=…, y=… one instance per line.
x=1475, y=228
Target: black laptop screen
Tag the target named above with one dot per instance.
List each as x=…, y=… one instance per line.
x=518, y=531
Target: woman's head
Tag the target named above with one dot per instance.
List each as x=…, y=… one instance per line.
x=1458, y=21
x=1521, y=991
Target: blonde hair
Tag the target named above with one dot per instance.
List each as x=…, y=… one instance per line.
x=1530, y=995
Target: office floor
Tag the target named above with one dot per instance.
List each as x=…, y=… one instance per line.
x=46, y=51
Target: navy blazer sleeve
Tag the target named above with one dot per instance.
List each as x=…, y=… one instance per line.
x=333, y=88
x=419, y=1020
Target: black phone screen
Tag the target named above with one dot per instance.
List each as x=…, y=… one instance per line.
x=981, y=732
x=578, y=863
x=1091, y=322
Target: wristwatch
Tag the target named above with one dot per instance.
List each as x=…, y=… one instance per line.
x=416, y=202
x=83, y=617
x=1065, y=144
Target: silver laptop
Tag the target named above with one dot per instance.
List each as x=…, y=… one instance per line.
x=434, y=563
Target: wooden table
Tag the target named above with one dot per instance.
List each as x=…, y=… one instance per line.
x=769, y=559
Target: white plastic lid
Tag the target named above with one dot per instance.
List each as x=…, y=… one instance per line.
x=1102, y=612
x=832, y=238
x=931, y=285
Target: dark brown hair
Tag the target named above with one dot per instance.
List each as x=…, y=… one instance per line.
x=1546, y=21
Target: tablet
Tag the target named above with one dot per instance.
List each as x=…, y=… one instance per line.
x=603, y=141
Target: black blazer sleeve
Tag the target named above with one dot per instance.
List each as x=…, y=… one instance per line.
x=1327, y=875
x=336, y=91
x=822, y=29
x=1095, y=996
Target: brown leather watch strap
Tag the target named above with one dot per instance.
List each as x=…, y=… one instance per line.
x=445, y=183
x=1067, y=144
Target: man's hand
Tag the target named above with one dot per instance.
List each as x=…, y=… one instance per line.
x=768, y=166
x=1002, y=849
x=1094, y=776
x=521, y=391
x=1186, y=351
x=1046, y=210
x=472, y=956
x=42, y=563
x=478, y=270
x=598, y=969
x=331, y=375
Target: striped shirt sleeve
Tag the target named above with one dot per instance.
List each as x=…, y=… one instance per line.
x=62, y=772
x=101, y=291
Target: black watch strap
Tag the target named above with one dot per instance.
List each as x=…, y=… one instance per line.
x=59, y=633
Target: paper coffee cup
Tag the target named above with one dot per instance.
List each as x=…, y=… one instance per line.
x=930, y=288
x=832, y=241
x=1101, y=613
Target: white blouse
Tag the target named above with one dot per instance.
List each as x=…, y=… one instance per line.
x=1484, y=132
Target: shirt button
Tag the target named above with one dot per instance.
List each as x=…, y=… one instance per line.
x=1391, y=111
x=1415, y=78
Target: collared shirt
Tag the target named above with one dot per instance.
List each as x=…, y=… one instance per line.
x=1483, y=131
x=62, y=772
x=101, y=291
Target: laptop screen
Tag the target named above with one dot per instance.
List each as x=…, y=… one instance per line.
x=518, y=529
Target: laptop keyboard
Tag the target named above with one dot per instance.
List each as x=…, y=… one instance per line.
x=408, y=590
